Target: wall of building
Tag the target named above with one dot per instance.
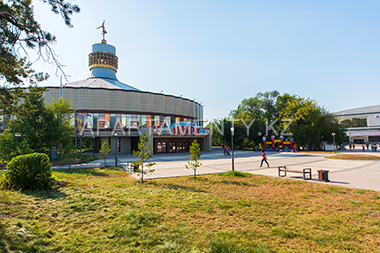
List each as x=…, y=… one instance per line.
x=121, y=101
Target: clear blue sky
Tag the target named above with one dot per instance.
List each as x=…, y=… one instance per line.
x=220, y=52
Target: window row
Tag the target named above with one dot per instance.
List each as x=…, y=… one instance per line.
x=109, y=120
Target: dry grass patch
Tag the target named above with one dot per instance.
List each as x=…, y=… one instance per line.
x=108, y=210
x=354, y=157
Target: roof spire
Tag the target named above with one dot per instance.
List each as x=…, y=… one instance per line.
x=103, y=32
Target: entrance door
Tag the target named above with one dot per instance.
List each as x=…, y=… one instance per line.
x=134, y=143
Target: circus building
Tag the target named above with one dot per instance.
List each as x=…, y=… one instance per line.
x=107, y=109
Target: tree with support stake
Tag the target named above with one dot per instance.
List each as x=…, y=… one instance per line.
x=193, y=163
x=143, y=154
x=105, y=151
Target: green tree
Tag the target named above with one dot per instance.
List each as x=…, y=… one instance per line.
x=36, y=122
x=143, y=154
x=19, y=29
x=311, y=123
x=62, y=117
x=270, y=112
x=195, y=154
x=8, y=146
x=105, y=151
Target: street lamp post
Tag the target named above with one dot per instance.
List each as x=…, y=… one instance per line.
x=17, y=135
x=333, y=135
x=232, y=148
x=93, y=150
x=116, y=149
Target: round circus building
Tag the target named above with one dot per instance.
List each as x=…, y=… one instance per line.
x=109, y=110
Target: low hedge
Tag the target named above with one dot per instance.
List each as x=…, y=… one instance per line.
x=28, y=172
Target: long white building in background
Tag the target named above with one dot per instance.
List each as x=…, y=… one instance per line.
x=363, y=124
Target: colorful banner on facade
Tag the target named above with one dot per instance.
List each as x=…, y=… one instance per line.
x=181, y=129
x=79, y=124
x=364, y=134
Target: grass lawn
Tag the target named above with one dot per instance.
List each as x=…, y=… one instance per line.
x=354, y=157
x=107, y=210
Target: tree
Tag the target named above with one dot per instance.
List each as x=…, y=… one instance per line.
x=36, y=122
x=195, y=154
x=269, y=113
x=19, y=29
x=105, y=151
x=9, y=148
x=143, y=154
x=311, y=123
x=62, y=115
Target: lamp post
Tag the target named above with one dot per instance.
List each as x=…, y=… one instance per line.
x=93, y=149
x=17, y=135
x=116, y=149
x=333, y=135
x=232, y=147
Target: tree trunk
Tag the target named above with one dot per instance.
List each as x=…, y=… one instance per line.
x=142, y=173
x=195, y=174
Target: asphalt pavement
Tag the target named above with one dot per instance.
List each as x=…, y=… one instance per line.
x=353, y=174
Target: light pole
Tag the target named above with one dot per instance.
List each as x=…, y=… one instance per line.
x=232, y=147
x=93, y=149
x=17, y=135
x=116, y=149
x=333, y=135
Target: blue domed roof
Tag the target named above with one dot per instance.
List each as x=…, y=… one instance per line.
x=103, y=64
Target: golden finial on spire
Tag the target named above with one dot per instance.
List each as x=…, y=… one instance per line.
x=103, y=32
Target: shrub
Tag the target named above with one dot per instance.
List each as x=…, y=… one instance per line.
x=28, y=172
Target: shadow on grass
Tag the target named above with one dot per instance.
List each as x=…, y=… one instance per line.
x=84, y=171
x=52, y=193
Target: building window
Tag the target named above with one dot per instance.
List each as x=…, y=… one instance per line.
x=95, y=118
x=134, y=121
x=168, y=121
x=161, y=147
x=107, y=117
x=156, y=120
x=148, y=120
x=144, y=121
x=353, y=122
x=112, y=120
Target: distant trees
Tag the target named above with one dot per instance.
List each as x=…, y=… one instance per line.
x=271, y=113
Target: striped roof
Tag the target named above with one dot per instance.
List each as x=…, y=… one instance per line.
x=102, y=83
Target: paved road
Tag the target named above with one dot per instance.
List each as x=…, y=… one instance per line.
x=354, y=174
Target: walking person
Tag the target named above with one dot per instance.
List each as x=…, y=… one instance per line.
x=224, y=149
x=353, y=147
x=264, y=158
x=363, y=147
x=350, y=147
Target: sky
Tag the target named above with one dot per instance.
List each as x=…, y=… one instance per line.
x=221, y=52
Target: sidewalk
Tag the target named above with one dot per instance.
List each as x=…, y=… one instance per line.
x=353, y=174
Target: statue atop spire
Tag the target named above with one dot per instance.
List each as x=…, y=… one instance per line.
x=103, y=32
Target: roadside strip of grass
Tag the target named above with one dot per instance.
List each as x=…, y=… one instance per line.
x=107, y=210
x=354, y=157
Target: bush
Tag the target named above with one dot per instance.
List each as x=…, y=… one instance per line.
x=28, y=172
